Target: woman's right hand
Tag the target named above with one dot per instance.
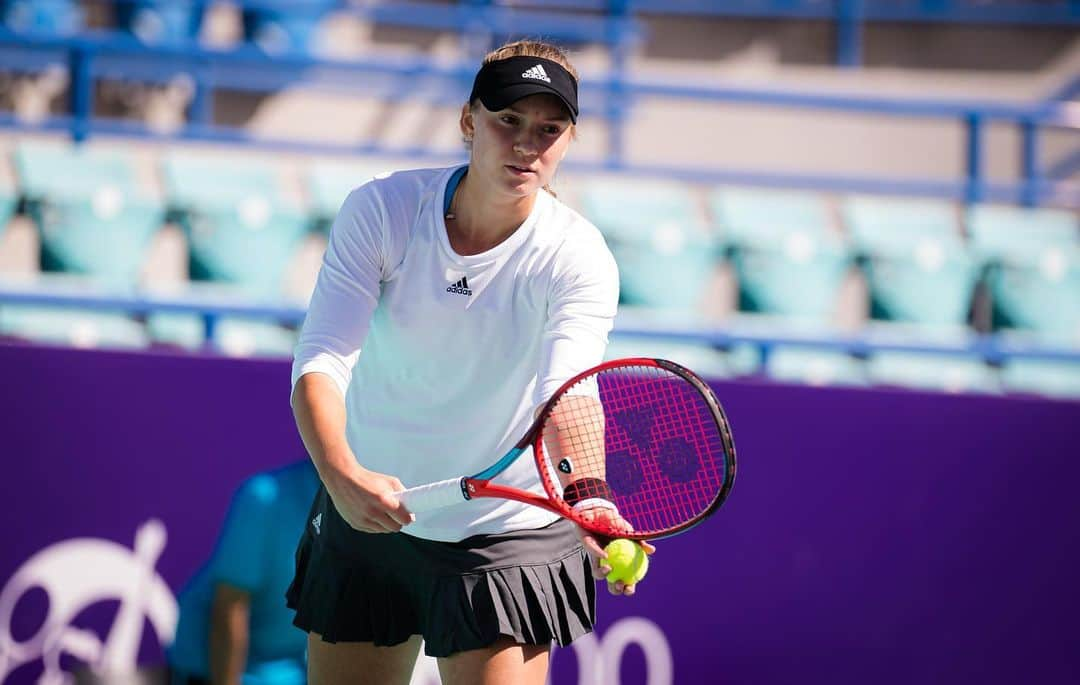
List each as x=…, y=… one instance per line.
x=366, y=501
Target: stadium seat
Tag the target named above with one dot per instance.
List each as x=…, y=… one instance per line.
x=1003, y=233
x=814, y=366
x=238, y=231
x=9, y=201
x=161, y=22
x=1040, y=297
x=1042, y=377
x=93, y=216
x=787, y=260
x=932, y=371
x=237, y=337
x=916, y=266
x=765, y=218
x=799, y=278
x=665, y=252
x=59, y=17
x=881, y=225
x=932, y=283
x=280, y=26
x=330, y=182
x=71, y=326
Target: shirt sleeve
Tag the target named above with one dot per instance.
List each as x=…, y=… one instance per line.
x=240, y=556
x=581, y=312
x=346, y=291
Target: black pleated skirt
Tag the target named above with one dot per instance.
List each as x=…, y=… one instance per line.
x=532, y=585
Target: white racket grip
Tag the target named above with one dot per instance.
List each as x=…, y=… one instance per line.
x=433, y=495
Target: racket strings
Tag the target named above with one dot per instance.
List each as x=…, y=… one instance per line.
x=641, y=437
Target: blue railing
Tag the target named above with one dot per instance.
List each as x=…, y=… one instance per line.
x=112, y=56
x=990, y=348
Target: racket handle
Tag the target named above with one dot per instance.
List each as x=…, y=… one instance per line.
x=433, y=495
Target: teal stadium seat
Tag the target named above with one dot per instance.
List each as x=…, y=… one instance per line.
x=330, y=182
x=999, y=232
x=241, y=237
x=96, y=222
x=787, y=259
x=9, y=202
x=1032, y=261
x=72, y=327
x=1042, y=377
x=238, y=231
x=665, y=251
x=810, y=366
x=932, y=371
x=92, y=214
x=917, y=268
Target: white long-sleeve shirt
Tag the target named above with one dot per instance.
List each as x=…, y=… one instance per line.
x=443, y=358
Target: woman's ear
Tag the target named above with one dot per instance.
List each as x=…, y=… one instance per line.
x=466, y=123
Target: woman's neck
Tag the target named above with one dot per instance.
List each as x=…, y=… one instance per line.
x=482, y=220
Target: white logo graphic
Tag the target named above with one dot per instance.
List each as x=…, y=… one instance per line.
x=317, y=523
x=76, y=574
x=537, y=72
x=598, y=660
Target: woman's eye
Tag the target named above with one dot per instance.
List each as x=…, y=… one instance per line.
x=508, y=119
x=552, y=130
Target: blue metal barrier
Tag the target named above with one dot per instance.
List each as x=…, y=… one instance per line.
x=103, y=56
x=990, y=348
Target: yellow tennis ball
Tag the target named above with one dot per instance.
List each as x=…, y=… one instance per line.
x=641, y=567
x=627, y=560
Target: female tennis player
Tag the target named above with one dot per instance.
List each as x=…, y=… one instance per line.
x=450, y=305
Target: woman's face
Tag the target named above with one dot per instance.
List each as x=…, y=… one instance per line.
x=518, y=149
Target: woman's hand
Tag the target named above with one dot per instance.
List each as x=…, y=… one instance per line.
x=595, y=548
x=365, y=499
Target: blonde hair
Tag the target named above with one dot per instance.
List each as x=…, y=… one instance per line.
x=533, y=48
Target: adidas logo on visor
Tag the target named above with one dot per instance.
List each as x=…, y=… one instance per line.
x=537, y=72
x=461, y=287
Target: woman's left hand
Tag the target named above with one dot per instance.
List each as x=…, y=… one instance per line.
x=595, y=549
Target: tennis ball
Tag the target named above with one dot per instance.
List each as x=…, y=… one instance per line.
x=627, y=560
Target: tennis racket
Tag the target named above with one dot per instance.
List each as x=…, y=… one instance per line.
x=633, y=448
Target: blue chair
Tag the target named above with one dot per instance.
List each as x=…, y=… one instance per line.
x=282, y=26
x=1042, y=377
x=811, y=366
x=932, y=371
x=787, y=259
x=665, y=251
x=330, y=182
x=933, y=283
x=57, y=17
x=764, y=218
x=93, y=215
x=238, y=231
x=161, y=22
x=1041, y=297
x=9, y=202
x=241, y=237
x=885, y=225
x=917, y=269
x=1004, y=233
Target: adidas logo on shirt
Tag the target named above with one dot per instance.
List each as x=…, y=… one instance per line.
x=537, y=72
x=461, y=287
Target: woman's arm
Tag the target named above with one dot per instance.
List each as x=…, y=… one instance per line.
x=363, y=498
x=230, y=615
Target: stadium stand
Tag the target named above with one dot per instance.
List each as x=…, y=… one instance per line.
x=822, y=277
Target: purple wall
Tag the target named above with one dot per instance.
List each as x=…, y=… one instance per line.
x=872, y=536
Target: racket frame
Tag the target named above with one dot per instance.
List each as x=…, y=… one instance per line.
x=479, y=485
